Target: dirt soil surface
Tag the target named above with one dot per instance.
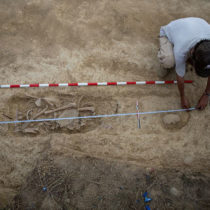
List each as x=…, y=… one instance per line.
x=98, y=163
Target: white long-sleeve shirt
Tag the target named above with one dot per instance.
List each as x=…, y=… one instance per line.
x=184, y=34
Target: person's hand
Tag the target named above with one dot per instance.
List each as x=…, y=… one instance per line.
x=185, y=103
x=202, y=103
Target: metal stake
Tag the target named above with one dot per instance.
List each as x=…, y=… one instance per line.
x=138, y=115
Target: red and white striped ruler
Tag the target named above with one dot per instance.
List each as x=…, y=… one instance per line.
x=92, y=84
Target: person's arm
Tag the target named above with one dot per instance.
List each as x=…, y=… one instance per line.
x=180, y=72
x=203, y=102
x=184, y=101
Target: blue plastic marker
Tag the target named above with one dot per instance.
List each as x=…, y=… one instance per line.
x=146, y=198
x=147, y=207
x=44, y=189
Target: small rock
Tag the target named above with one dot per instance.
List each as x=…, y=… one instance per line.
x=175, y=192
x=188, y=160
x=20, y=117
x=171, y=119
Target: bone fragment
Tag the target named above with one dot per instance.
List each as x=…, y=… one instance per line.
x=33, y=118
x=5, y=115
x=79, y=101
x=48, y=101
x=27, y=114
x=40, y=113
x=38, y=102
x=29, y=96
x=87, y=109
x=31, y=130
x=71, y=105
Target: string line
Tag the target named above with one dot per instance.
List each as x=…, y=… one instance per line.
x=96, y=116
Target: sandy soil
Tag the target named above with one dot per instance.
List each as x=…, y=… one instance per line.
x=95, y=41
